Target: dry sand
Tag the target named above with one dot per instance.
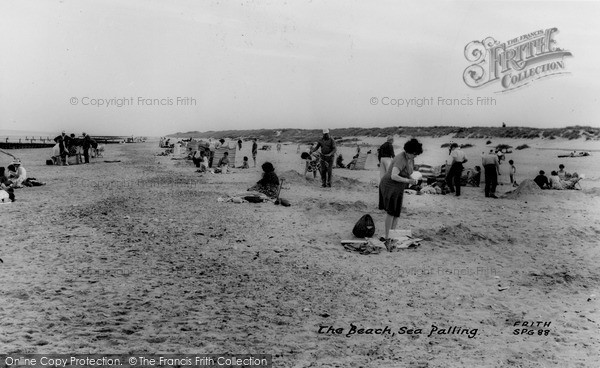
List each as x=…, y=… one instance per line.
x=139, y=256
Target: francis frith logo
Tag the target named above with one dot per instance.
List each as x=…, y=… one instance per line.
x=516, y=62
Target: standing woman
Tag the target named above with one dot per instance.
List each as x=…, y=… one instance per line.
x=393, y=183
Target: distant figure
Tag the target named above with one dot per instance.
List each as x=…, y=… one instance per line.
x=254, y=150
x=240, y=144
x=475, y=177
x=278, y=146
x=5, y=186
x=269, y=183
x=562, y=174
x=385, y=154
x=328, y=150
x=311, y=163
x=491, y=169
x=63, y=145
x=339, y=162
x=211, y=148
x=542, y=180
x=16, y=174
x=500, y=155
x=352, y=163
x=87, y=144
x=512, y=173
x=456, y=168
x=245, y=163
x=197, y=157
x=503, y=125
x=224, y=162
x=204, y=164
x=569, y=183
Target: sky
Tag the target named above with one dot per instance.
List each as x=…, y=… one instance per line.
x=151, y=68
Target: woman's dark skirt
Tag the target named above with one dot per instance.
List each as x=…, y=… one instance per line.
x=390, y=196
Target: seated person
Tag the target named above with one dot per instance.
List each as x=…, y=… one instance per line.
x=269, y=183
x=224, y=162
x=6, y=185
x=245, y=163
x=352, y=163
x=16, y=174
x=562, y=174
x=339, y=162
x=542, y=180
x=557, y=183
x=202, y=162
x=474, y=177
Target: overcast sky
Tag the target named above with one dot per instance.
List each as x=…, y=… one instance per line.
x=280, y=64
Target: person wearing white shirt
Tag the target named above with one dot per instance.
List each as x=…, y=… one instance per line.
x=456, y=168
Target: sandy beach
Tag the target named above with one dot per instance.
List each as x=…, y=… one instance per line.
x=140, y=256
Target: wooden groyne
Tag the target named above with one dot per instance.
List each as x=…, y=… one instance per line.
x=27, y=142
x=47, y=142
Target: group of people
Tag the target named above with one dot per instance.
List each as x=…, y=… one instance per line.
x=203, y=157
x=491, y=170
x=67, y=145
x=558, y=179
x=14, y=176
x=322, y=161
x=11, y=178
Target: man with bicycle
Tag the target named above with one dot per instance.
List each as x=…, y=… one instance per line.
x=328, y=149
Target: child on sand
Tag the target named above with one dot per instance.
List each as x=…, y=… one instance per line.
x=512, y=172
x=245, y=163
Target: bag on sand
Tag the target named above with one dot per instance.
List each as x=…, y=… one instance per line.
x=365, y=227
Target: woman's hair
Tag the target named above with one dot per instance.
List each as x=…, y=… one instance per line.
x=511, y=162
x=245, y=158
x=267, y=167
x=561, y=166
x=11, y=168
x=553, y=173
x=542, y=172
x=413, y=147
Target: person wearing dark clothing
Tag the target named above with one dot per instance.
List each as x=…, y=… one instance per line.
x=456, y=168
x=240, y=144
x=269, y=183
x=328, y=150
x=385, y=154
x=63, y=141
x=254, y=151
x=87, y=144
x=340, y=162
x=491, y=169
x=394, y=182
x=542, y=180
